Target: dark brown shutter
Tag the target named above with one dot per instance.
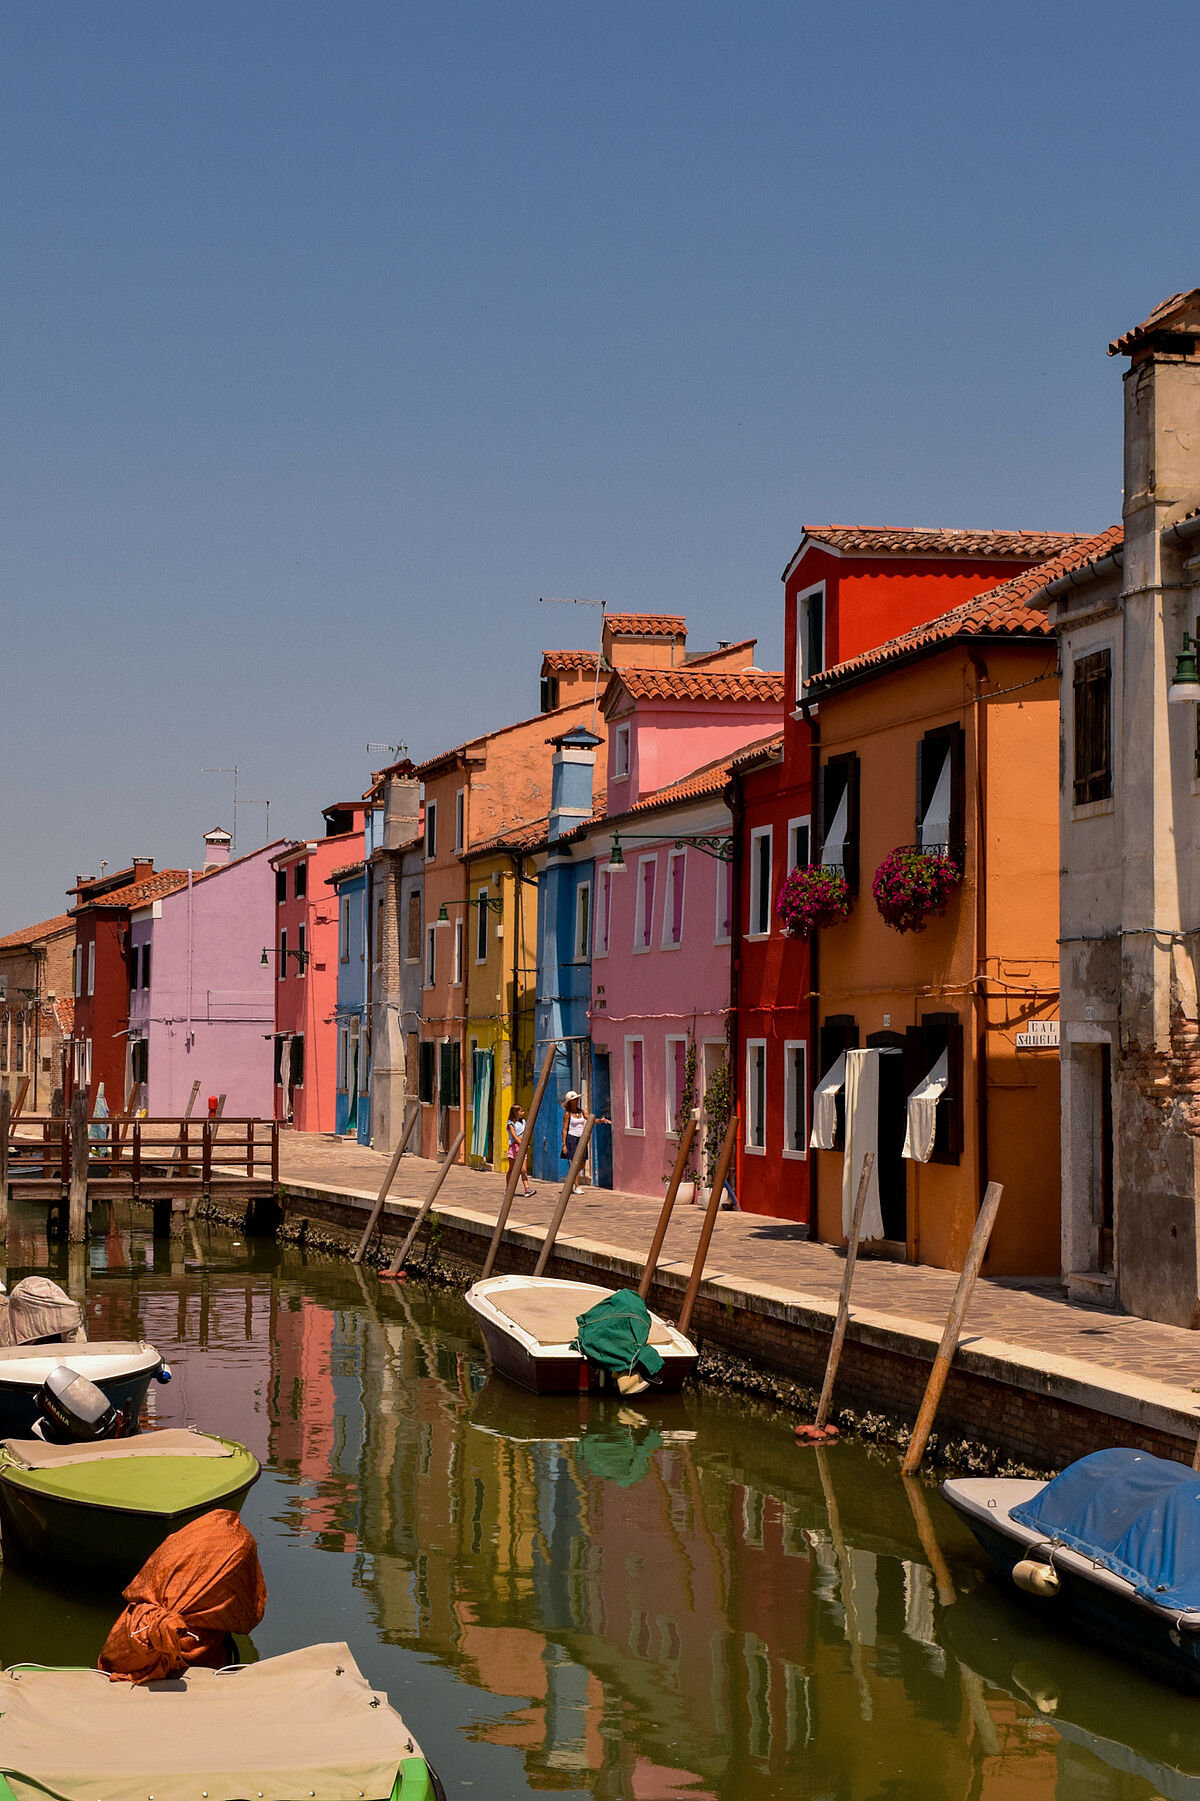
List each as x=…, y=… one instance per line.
x=943, y=1032
x=958, y=803
x=838, y=1033
x=920, y=811
x=850, y=858
x=1092, y=694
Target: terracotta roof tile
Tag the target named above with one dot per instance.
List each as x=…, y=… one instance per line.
x=1189, y=301
x=140, y=894
x=64, y=1012
x=755, y=754
x=711, y=656
x=49, y=928
x=569, y=659
x=688, y=683
x=998, y=611
x=904, y=540
x=647, y=625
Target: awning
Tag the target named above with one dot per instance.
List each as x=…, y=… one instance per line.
x=824, y=1126
x=922, y=1111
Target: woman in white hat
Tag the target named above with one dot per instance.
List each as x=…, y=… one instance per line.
x=573, y=1123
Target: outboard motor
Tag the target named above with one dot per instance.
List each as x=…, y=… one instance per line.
x=74, y=1410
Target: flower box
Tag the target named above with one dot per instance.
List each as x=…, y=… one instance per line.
x=913, y=886
x=816, y=896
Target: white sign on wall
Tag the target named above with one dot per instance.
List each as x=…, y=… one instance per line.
x=1039, y=1035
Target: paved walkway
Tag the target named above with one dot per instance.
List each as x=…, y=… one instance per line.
x=748, y=1247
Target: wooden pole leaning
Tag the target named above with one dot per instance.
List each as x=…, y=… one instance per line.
x=668, y=1206
x=5, y=1131
x=19, y=1098
x=821, y=1431
x=710, y=1220
x=976, y=1251
x=394, y=1271
x=518, y=1162
x=564, y=1194
x=77, y=1201
x=360, y=1251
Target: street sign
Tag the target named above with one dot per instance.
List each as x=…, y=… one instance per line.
x=1039, y=1035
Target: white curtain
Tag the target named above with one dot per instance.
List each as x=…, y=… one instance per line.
x=862, y=1135
x=922, y=1111
x=935, y=825
x=824, y=1126
x=833, y=851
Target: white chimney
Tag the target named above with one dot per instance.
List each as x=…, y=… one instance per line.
x=216, y=847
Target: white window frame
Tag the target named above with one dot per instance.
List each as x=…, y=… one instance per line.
x=460, y=818
x=793, y=826
x=87, y=1060
x=670, y=1097
x=752, y=1149
x=726, y=901
x=456, y=964
x=302, y=948
x=344, y=929
x=430, y=956
x=91, y=969
x=602, y=917
x=643, y=928
x=631, y=1130
x=756, y=909
x=281, y=972
x=343, y=1060
x=77, y=972
x=430, y=830
x=482, y=945
x=622, y=740
x=675, y=858
x=791, y=1095
x=581, y=942
x=803, y=673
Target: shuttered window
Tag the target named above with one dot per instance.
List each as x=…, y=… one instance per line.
x=839, y=1033
x=1092, y=687
x=428, y=1053
x=923, y=1045
x=413, y=950
x=839, y=816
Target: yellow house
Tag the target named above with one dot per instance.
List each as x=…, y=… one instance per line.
x=501, y=984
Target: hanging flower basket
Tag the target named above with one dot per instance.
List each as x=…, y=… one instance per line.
x=816, y=896
x=912, y=886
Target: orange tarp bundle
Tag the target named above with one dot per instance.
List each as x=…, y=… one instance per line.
x=201, y=1584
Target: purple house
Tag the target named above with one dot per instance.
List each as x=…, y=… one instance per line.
x=202, y=1000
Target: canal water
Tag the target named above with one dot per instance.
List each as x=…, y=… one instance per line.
x=644, y=1602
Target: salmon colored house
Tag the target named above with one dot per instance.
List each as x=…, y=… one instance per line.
x=937, y=1046
x=846, y=590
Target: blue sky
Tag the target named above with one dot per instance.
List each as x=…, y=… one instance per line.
x=331, y=336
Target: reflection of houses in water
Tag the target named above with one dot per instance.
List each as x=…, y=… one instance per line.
x=313, y=1436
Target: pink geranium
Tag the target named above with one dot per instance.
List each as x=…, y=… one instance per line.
x=912, y=886
x=816, y=896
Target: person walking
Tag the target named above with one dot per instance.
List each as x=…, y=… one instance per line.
x=573, y=1124
x=516, y=1132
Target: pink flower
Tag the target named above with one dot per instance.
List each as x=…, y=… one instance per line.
x=812, y=897
x=912, y=886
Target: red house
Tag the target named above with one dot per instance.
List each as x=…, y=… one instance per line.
x=846, y=590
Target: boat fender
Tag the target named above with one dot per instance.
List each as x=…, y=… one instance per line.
x=1035, y=1578
x=163, y=1374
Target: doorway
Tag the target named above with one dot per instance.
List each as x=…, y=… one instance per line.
x=602, y=1104
x=893, y=1116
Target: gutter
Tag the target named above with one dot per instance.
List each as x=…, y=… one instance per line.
x=979, y=707
x=1112, y=564
x=1182, y=533
x=813, y=1050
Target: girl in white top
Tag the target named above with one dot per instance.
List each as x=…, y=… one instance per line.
x=516, y=1132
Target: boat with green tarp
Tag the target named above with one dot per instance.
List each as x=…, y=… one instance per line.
x=106, y=1506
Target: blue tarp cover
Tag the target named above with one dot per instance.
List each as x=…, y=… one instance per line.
x=1133, y=1514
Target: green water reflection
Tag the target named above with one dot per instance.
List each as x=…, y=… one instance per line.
x=649, y=1602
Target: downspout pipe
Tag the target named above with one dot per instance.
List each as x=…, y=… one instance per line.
x=734, y=800
x=814, y=950
x=979, y=707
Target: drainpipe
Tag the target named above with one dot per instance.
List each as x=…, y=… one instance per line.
x=188, y=1040
x=979, y=708
x=514, y=1028
x=733, y=800
x=814, y=948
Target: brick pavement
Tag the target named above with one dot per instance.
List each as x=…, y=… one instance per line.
x=751, y=1248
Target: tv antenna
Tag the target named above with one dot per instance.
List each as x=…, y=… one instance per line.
x=396, y=751
x=577, y=600
x=233, y=771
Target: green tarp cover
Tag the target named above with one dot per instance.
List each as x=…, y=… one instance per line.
x=615, y=1334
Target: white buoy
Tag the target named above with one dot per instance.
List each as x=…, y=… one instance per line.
x=1035, y=1578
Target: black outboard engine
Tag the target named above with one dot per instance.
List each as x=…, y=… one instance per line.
x=74, y=1410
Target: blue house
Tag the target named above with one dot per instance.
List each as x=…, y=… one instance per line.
x=566, y=886
x=352, y=1115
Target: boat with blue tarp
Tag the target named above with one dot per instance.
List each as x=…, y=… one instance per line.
x=1110, y=1546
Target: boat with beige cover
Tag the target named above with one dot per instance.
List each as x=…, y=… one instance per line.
x=529, y=1324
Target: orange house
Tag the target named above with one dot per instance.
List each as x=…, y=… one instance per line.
x=945, y=738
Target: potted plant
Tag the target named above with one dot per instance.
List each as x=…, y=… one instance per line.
x=818, y=895
x=912, y=886
x=718, y=1107
x=688, y=1098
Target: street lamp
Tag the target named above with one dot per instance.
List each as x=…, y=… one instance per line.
x=1186, y=685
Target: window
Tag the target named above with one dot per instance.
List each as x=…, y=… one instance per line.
x=583, y=922
x=277, y=1069
x=301, y=947
x=481, y=926
x=677, y=1049
x=635, y=1093
x=430, y=956
x=724, y=902
x=456, y=975
x=449, y=1073
x=298, y=1060
x=672, y=925
x=799, y=844
x=839, y=1034
x=430, y=830
x=425, y=1084
x=412, y=1063
x=760, y=882
x=795, y=1098
x=1092, y=696
x=139, y=1061
x=460, y=818
x=344, y=929
x=377, y=947
x=300, y=879
x=621, y=754
x=19, y=1045
x=4, y=1044
x=413, y=950
x=146, y=965
x=839, y=816
x=644, y=920
x=77, y=971
x=810, y=637
x=91, y=979
x=281, y=972
x=280, y=886
x=756, y=1094
x=549, y=693
x=603, y=916
x=924, y=1044
x=940, y=790
x=87, y=1060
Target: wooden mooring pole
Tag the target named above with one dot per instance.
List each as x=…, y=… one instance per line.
x=518, y=1162
x=5, y=1130
x=668, y=1206
x=820, y=1431
x=394, y=1271
x=368, y=1230
x=976, y=1252
x=710, y=1220
x=564, y=1194
x=77, y=1195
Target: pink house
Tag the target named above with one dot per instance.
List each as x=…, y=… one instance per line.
x=204, y=1007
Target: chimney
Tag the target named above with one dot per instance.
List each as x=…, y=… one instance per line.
x=571, y=772
x=216, y=847
x=401, y=811
x=143, y=868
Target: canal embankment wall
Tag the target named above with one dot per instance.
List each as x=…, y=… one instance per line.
x=1026, y=1404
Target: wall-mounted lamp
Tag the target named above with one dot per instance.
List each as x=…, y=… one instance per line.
x=1186, y=685
x=272, y=950
x=713, y=844
x=443, y=918
x=493, y=901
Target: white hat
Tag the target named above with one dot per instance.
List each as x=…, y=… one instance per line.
x=571, y=1095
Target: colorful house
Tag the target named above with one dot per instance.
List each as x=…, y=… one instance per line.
x=846, y=589
x=395, y=884
x=937, y=1033
x=304, y=952
x=352, y=1117
x=203, y=1009
x=36, y=1010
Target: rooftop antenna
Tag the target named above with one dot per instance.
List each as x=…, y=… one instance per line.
x=233, y=771
x=576, y=600
x=267, y=805
x=395, y=751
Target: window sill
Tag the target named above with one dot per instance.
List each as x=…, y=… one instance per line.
x=676, y=945
x=640, y=950
x=727, y=939
x=1093, y=809
x=620, y=775
x=757, y=937
x=795, y=1156
x=634, y=1131
x=755, y=1150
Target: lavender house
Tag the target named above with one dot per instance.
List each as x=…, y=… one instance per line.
x=202, y=1000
